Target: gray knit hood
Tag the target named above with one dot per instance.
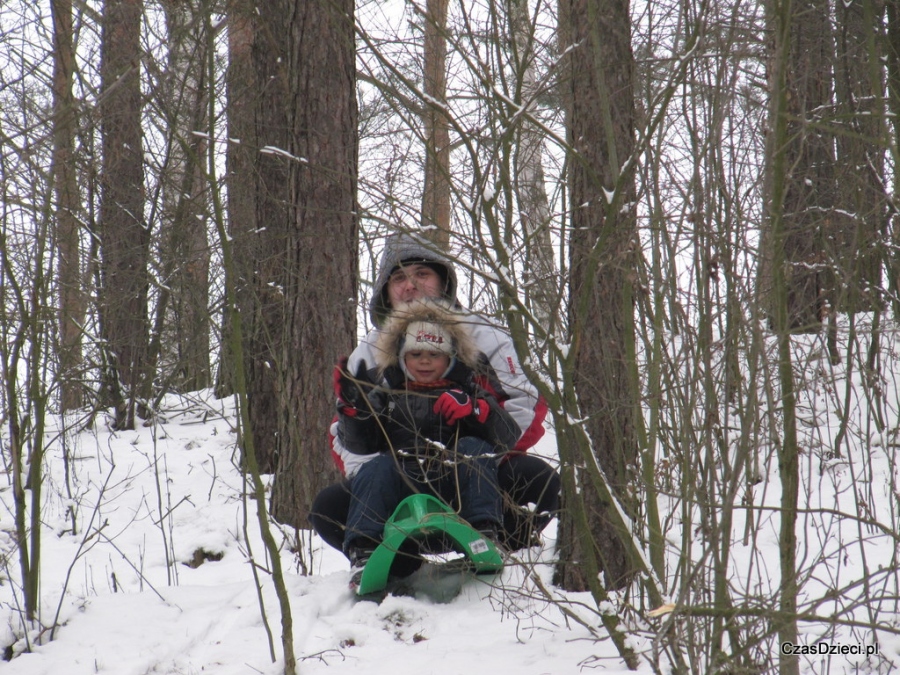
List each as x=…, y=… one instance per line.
x=426, y=310
x=410, y=248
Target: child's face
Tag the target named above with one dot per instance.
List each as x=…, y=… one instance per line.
x=426, y=367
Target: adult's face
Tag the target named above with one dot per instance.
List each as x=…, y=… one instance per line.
x=411, y=282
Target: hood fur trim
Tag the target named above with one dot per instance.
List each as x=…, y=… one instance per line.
x=429, y=310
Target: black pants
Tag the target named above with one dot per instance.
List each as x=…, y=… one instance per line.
x=530, y=488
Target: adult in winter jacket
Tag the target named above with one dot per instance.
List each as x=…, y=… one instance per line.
x=410, y=269
x=428, y=418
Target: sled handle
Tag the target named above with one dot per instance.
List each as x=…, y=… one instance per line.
x=417, y=517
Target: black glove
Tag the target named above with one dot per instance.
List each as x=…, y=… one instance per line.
x=351, y=391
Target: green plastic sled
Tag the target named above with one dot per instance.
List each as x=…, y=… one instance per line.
x=417, y=517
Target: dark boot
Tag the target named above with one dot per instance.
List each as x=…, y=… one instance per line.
x=490, y=530
x=359, y=555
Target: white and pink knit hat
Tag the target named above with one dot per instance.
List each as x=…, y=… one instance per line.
x=429, y=337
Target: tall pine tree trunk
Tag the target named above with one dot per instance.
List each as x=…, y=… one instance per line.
x=67, y=209
x=543, y=293
x=323, y=258
x=600, y=97
x=125, y=236
x=860, y=221
x=436, y=188
x=181, y=332
x=268, y=243
x=809, y=191
x=892, y=52
x=241, y=89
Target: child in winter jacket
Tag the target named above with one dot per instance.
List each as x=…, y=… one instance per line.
x=408, y=269
x=428, y=411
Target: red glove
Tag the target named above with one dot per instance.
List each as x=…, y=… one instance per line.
x=456, y=404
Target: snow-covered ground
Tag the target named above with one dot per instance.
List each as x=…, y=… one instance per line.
x=157, y=576
x=131, y=599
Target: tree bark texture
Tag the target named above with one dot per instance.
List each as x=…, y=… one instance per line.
x=267, y=245
x=183, y=306
x=892, y=52
x=68, y=206
x=542, y=279
x=323, y=257
x=601, y=132
x=241, y=88
x=436, y=188
x=125, y=236
x=856, y=237
x=809, y=190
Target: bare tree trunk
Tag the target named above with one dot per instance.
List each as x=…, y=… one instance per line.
x=240, y=169
x=268, y=243
x=249, y=460
x=809, y=195
x=601, y=131
x=182, y=324
x=892, y=51
x=69, y=278
x=860, y=223
x=125, y=236
x=541, y=280
x=436, y=189
x=323, y=256
x=781, y=161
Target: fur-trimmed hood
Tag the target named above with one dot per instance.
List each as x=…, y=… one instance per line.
x=426, y=310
